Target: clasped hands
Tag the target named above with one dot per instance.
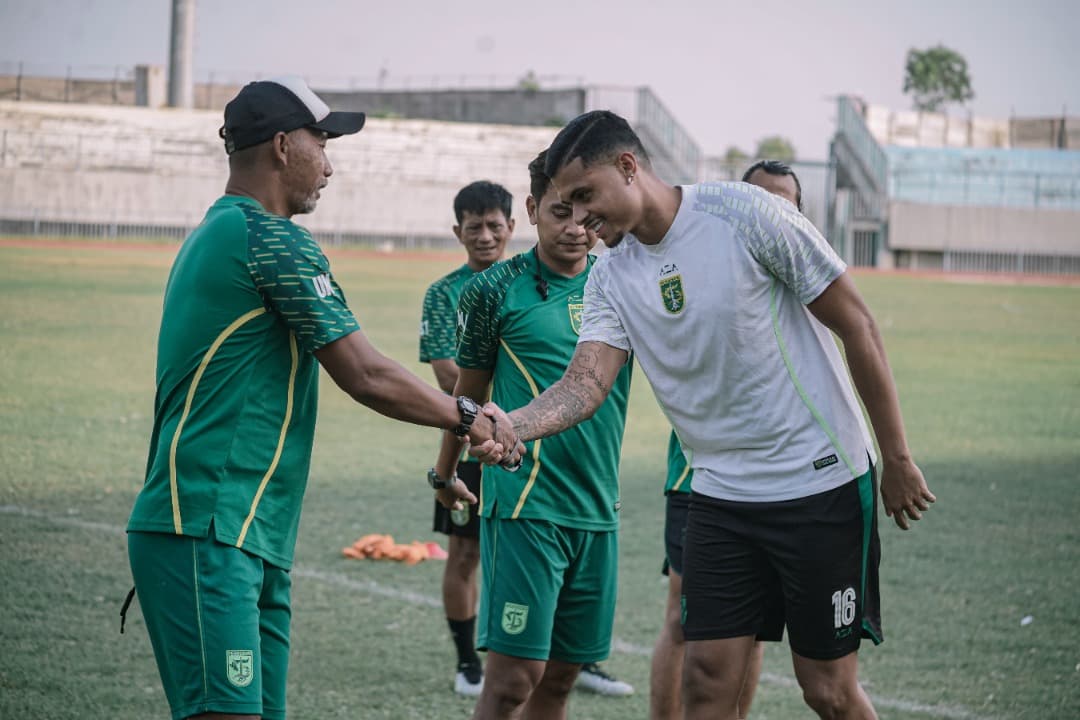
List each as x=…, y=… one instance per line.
x=495, y=442
x=488, y=442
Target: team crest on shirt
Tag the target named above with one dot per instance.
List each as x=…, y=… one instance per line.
x=576, y=306
x=240, y=665
x=460, y=517
x=514, y=618
x=671, y=292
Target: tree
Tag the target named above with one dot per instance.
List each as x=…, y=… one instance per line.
x=729, y=165
x=529, y=82
x=735, y=156
x=936, y=76
x=775, y=147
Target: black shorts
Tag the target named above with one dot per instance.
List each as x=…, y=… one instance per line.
x=465, y=522
x=677, y=506
x=810, y=564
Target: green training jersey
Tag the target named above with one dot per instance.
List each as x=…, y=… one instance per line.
x=438, y=320
x=679, y=473
x=249, y=298
x=570, y=479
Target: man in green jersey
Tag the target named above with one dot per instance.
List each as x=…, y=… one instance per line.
x=547, y=532
x=250, y=306
x=665, y=677
x=484, y=227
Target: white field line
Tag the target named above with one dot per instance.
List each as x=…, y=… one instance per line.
x=370, y=587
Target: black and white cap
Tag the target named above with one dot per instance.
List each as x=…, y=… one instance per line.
x=264, y=108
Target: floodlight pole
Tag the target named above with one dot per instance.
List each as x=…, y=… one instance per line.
x=181, y=50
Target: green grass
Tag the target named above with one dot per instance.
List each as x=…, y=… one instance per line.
x=989, y=377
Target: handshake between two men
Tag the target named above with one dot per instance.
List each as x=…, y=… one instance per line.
x=493, y=443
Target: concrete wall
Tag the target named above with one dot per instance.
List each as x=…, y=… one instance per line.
x=397, y=178
x=987, y=229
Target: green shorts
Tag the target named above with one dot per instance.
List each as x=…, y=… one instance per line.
x=218, y=619
x=547, y=591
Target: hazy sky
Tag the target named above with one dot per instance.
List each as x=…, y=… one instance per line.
x=731, y=72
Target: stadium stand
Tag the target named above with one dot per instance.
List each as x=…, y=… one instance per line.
x=950, y=196
x=115, y=170
x=899, y=188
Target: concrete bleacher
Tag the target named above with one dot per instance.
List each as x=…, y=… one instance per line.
x=146, y=167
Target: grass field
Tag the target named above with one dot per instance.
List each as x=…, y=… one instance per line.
x=989, y=377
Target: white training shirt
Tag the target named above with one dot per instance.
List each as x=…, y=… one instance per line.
x=716, y=315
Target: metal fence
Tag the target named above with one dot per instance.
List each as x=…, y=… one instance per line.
x=850, y=124
x=988, y=262
x=1020, y=262
x=115, y=84
x=101, y=84
x=41, y=227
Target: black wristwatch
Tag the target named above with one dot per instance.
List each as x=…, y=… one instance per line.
x=436, y=482
x=469, y=410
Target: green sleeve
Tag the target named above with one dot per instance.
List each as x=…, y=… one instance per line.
x=293, y=277
x=438, y=324
x=478, y=325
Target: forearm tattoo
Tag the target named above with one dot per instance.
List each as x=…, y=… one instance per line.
x=574, y=398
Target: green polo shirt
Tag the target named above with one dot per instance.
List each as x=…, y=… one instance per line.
x=570, y=479
x=249, y=298
x=438, y=321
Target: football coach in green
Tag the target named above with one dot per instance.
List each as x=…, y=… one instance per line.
x=251, y=310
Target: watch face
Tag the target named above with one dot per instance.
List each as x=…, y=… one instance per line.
x=468, y=405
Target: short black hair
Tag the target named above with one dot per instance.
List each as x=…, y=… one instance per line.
x=775, y=167
x=481, y=196
x=596, y=135
x=539, y=182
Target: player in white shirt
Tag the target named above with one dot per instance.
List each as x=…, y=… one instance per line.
x=726, y=295
x=665, y=674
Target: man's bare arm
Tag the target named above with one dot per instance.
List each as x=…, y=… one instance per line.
x=576, y=396
x=474, y=384
x=374, y=380
x=446, y=374
x=840, y=308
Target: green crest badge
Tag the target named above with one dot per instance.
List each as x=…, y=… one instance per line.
x=514, y=618
x=460, y=517
x=575, y=309
x=671, y=291
x=241, y=667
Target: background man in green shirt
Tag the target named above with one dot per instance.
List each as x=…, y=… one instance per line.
x=548, y=532
x=484, y=227
x=250, y=306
